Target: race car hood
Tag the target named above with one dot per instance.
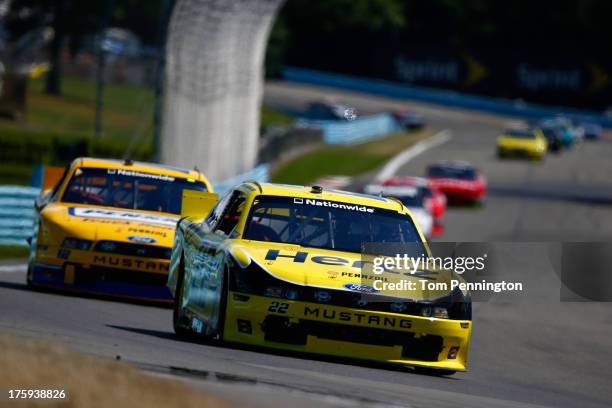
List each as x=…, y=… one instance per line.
x=334, y=269
x=59, y=221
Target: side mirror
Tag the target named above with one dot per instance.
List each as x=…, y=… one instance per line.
x=197, y=204
x=42, y=200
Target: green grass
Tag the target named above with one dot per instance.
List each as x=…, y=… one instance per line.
x=127, y=110
x=270, y=116
x=15, y=174
x=13, y=252
x=348, y=160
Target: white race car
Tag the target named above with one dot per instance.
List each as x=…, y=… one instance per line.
x=412, y=198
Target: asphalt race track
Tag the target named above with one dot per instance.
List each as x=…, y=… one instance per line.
x=528, y=349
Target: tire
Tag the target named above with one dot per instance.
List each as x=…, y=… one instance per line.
x=179, y=321
x=29, y=282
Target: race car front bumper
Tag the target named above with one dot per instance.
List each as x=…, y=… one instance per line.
x=101, y=280
x=345, y=332
x=520, y=152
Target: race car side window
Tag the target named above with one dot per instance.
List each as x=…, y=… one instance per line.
x=231, y=216
x=56, y=188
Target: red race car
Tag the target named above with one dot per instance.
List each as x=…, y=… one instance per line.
x=460, y=181
x=435, y=200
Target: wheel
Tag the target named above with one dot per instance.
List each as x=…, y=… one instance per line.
x=433, y=371
x=180, y=321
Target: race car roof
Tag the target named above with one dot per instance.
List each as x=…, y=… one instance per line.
x=140, y=166
x=287, y=190
x=406, y=181
x=457, y=164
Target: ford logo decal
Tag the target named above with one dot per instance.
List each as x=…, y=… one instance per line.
x=141, y=240
x=359, y=287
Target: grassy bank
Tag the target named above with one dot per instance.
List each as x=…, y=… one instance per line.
x=350, y=160
x=57, y=128
x=88, y=381
x=13, y=252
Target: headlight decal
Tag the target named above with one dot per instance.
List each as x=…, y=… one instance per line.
x=254, y=280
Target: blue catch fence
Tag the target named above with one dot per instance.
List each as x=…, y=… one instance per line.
x=361, y=129
x=16, y=214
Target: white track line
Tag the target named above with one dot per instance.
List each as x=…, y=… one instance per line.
x=17, y=268
x=413, y=151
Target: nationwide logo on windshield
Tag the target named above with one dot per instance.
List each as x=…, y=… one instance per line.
x=333, y=204
x=132, y=173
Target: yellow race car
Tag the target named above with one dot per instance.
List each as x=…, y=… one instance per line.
x=282, y=267
x=107, y=227
x=522, y=142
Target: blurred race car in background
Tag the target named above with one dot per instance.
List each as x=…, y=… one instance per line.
x=408, y=119
x=282, y=267
x=592, y=131
x=330, y=110
x=563, y=127
x=434, y=199
x=522, y=143
x=107, y=227
x=553, y=137
x=459, y=181
x=412, y=197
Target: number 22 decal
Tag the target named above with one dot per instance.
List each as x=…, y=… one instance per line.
x=278, y=307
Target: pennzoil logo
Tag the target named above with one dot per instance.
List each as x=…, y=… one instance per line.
x=365, y=276
x=129, y=263
x=357, y=317
x=332, y=274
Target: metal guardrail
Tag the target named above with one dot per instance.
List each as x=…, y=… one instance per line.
x=17, y=206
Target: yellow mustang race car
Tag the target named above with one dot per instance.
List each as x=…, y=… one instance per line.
x=107, y=227
x=282, y=266
x=522, y=142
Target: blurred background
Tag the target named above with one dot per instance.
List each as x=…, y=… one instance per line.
x=83, y=77
x=348, y=84
x=490, y=120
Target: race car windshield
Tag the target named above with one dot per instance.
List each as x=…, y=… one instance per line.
x=521, y=134
x=452, y=172
x=327, y=224
x=128, y=189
